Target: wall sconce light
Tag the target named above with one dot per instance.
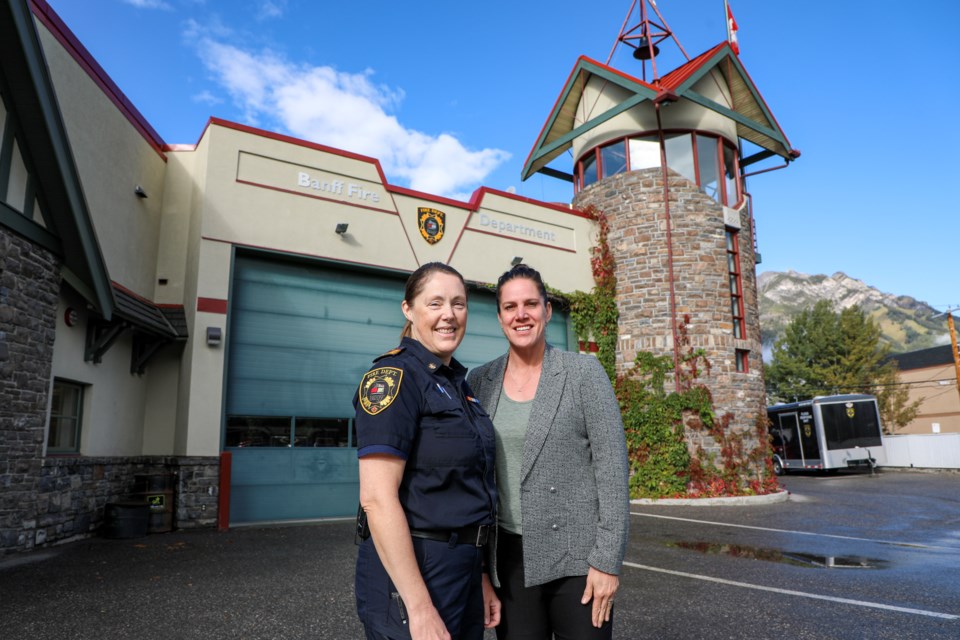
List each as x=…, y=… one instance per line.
x=140, y=193
x=516, y=260
x=214, y=336
x=70, y=317
x=341, y=228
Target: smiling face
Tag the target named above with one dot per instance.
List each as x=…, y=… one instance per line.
x=438, y=314
x=523, y=314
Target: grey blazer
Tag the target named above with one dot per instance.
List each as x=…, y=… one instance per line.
x=574, y=490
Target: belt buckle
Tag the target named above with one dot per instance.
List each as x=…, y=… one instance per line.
x=483, y=534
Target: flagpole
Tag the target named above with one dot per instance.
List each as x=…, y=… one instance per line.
x=726, y=18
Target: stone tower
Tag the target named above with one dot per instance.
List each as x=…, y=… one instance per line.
x=665, y=161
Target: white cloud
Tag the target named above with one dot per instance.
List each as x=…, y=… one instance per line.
x=205, y=97
x=344, y=110
x=271, y=9
x=149, y=4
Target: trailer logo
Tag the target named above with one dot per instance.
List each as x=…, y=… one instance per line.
x=431, y=223
x=850, y=410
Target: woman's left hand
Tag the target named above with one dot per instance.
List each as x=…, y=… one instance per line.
x=491, y=604
x=601, y=588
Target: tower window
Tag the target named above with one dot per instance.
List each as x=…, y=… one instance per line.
x=711, y=163
x=613, y=158
x=736, y=282
x=743, y=361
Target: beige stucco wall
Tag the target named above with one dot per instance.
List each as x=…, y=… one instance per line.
x=113, y=400
x=599, y=96
x=112, y=157
x=940, y=402
x=240, y=188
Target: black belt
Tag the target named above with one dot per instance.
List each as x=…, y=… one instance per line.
x=476, y=535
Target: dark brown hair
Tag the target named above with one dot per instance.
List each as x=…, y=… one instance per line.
x=522, y=271
x=416, y=282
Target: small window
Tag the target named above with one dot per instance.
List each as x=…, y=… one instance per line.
x=731, y=194
x=644, y=153
x=743, y=361
x=588, y=169
x=707, y=166
x=613, y=159
x=679, y=150
x=66, y=410
x=258, y=431
x=322, y=432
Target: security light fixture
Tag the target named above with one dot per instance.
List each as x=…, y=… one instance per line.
x=214, y=336
x=516, y=260
x=138, y=190
x=341, y=228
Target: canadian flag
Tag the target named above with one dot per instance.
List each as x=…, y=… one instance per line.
x=732, y=30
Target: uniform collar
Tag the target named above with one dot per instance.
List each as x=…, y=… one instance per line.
x=430, y=360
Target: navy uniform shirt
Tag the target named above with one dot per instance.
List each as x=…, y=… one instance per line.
x=413, y=406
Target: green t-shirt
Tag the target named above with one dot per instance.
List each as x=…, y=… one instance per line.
x=510, y=423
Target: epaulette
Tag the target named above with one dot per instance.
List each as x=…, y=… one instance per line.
x=392, y=352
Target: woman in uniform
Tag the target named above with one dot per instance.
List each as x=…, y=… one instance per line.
x=427, y=489
x=561, y=472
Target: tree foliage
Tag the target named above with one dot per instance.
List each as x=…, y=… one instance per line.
x=824, y=352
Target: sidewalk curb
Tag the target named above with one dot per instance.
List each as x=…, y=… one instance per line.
x=732, y=501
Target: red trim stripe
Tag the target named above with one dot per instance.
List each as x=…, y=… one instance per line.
x=58, y=28
x=211, y=305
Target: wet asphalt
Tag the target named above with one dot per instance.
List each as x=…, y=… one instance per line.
x=847, y=556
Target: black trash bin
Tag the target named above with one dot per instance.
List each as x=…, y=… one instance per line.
x=156, y=491
x=125, y=519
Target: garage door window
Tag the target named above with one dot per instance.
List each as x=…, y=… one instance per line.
x=281, y=431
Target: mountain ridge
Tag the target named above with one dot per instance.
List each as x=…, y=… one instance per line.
x=906, y=324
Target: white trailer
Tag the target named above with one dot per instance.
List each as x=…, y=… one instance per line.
x=827, y=432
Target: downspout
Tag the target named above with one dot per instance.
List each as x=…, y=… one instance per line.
x=664, y=97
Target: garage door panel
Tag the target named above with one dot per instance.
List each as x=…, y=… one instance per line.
x=300, y=338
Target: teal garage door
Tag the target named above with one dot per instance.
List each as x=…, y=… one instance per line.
x=301, y=337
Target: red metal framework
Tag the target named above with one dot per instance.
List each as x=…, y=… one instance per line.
x=644, y=36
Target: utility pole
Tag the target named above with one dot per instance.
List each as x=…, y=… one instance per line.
x=953, y=343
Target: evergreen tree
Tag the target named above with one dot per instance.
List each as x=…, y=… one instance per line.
x=824, y=352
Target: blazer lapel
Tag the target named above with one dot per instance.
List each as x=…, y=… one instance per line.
x=544, y=409
x=489, y=393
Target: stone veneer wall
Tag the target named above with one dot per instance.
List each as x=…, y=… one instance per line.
x=633, y=204
x=44, y=500
x=29, y=292
x=71, y=493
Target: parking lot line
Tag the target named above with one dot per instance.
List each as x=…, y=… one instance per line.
x=802, y=594
x=914, y=545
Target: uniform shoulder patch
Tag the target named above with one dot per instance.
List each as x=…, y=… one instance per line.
x=379, y=389
x=392, y=352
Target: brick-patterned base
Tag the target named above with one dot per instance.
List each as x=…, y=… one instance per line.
x=29, y=292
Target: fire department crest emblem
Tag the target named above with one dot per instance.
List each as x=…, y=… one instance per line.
x=379, y=388
x=431, y=223
x=850, y=410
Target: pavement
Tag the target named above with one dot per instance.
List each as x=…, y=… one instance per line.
x=290, y=581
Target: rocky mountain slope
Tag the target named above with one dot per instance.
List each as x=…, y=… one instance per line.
x=907, y=324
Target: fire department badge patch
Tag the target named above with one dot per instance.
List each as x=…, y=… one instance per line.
x=379, y=388
x=431, y=223
x=850, y=410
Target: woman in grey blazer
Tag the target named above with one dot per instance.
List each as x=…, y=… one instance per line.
x=561, y=473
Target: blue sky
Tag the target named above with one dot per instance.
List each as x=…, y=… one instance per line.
x=451, y=96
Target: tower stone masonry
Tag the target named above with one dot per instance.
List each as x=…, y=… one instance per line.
x=664, y=157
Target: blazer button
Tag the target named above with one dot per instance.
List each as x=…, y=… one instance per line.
x=555, y=527
x=553, y=489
